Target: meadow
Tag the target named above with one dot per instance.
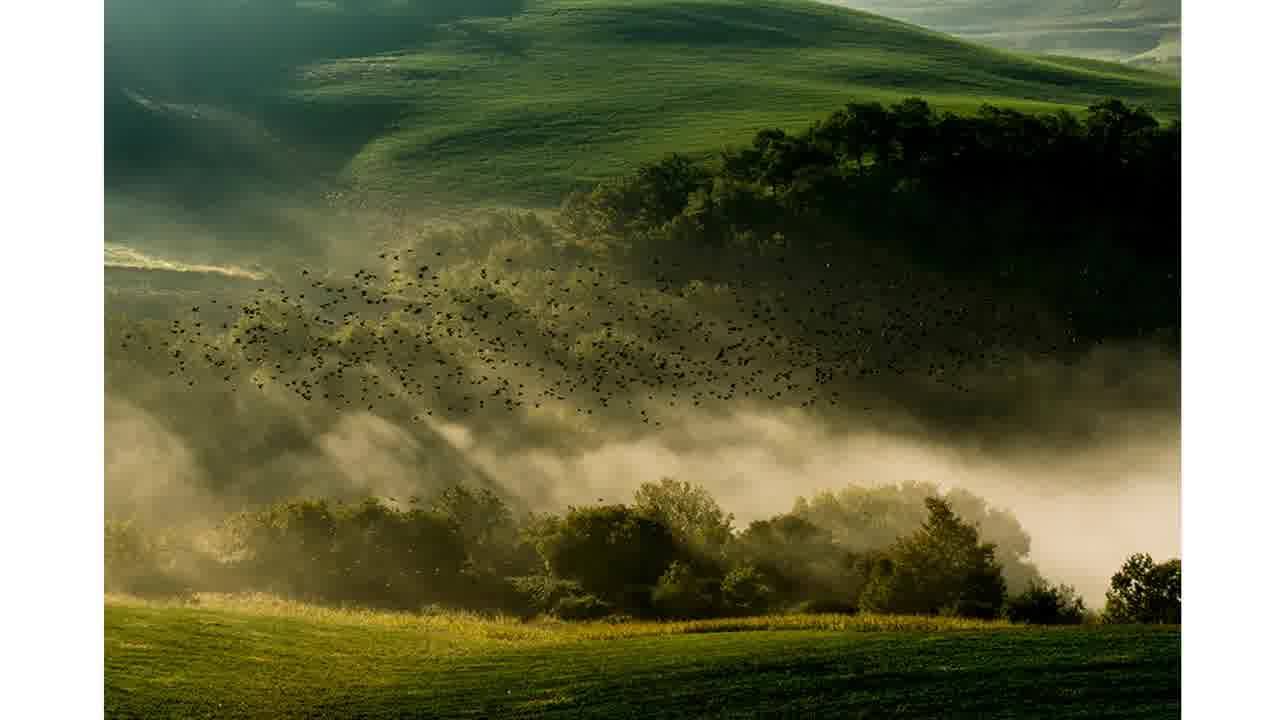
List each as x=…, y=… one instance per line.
x=258, y=656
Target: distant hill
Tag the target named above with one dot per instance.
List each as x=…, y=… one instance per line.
x=508, y=102
x=1145, y=33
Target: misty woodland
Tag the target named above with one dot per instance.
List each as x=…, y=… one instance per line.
x=673, y=553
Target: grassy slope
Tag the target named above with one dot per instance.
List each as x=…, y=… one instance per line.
x=520, y=109
x=1104, y=29
x=231, y=661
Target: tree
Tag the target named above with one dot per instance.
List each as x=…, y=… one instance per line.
x=391, y=558
x=139, y=563
x=366, y=553
x=915, y=122
x=666, y=186
x=864, y=519
x=877, y=126
x=611, y=550
x=486, y=527
x=1112, y=121
x=744, y=591
x=1146, y=592
x=800, y=561
x=286, y=548
x=690, y=511
x=1002, y=529
x=682, y=593
x=125, y=551
x=940, y=569
x=643, y=201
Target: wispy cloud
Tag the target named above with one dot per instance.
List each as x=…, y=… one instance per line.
x=120, y=256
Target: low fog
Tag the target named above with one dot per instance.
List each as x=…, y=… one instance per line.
x=1087, y=457
x=1085, y=510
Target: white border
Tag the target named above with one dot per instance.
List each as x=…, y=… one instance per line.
x=51, y=359
x=1231, y=297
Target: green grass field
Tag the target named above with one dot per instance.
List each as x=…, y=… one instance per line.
x=231, y=657
x=518, y=109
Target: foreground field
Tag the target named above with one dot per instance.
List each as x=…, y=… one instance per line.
x=261, y=658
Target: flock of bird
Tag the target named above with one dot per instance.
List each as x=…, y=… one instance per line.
x=447, y=337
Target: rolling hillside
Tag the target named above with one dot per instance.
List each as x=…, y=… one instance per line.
x=1146, y=33
x=501, y=102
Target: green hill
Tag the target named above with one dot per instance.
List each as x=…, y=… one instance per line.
x=517, y=102
x=1142, y=32
x=299, y=662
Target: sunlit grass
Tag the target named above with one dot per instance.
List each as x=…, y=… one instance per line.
x=262, y=656
x=467, y=625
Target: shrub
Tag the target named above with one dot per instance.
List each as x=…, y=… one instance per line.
x=542, y=592
x=745, y=592
x=581, y=607
x=636, y=599
x=825, y=606
x=1041, y=604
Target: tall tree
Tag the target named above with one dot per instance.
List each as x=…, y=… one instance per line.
x=690, y=511
x=1144, y=591
x=940, y=569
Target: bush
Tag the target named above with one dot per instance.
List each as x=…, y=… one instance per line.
x=826, y=606
x=581, y=607
x=542, y=592
x=1041, y=604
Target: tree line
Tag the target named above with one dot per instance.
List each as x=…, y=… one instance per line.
x=1079, y=210
x=671, y=553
